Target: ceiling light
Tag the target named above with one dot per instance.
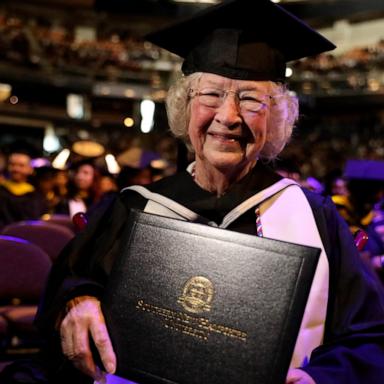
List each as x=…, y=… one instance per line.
x=88, y=148
x=13, y=99
x=5, y=91
x=147, y=110
x=61, y=159
x=129, y=122
x=130, y=93
x=75, y=106
x=51, y=142
x=112, y=165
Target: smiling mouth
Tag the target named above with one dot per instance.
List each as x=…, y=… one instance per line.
x=227, y=137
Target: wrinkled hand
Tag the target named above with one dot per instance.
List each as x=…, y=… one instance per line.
x=297, y=376
x=85, y=319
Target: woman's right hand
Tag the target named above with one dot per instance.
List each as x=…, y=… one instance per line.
x=85, y=319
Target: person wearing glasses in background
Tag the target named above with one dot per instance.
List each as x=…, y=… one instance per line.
x=234, y=111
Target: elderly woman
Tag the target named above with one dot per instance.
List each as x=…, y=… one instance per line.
x=233, y=110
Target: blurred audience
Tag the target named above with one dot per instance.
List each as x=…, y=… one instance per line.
x=130, y=176
x=335, y=183
x=83, y=189
x=44, y=43
x=61, y=183
x=45, y=182
x=3, y=165
x=361, y=206
x=127, y=176
x=288, y=167
x=19, y=198
x=40, y=43
x=313, y=184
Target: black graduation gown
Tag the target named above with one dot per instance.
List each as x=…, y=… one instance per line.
x=13, y=208
x=353, y=349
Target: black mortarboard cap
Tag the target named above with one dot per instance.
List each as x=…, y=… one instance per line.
x=24, y=147
x=242, y=40
x=364, y=170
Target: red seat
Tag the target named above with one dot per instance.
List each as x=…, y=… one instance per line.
x=50, y=237
x=361, y=238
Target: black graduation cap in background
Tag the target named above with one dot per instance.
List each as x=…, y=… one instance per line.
x=364, y=170
x=242, y=40
x=23, y=146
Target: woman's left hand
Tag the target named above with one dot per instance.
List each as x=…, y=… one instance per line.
x=298, y=376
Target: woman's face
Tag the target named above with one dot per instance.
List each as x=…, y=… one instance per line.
x=84, y=176
x=228, y=137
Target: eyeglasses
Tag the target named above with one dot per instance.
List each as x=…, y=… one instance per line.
x=249, y=101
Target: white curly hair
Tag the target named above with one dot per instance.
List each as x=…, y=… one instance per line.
x=283, y=114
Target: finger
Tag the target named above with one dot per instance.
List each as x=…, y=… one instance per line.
x=103, y=344
x=72, y=346
x=66, y=338
x=82, y=355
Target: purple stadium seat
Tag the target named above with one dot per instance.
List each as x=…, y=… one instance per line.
x=23, y=273
x=50, y=237
x=24, y=268
x=61, y=219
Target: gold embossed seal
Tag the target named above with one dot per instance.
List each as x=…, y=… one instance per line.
x=197, y=295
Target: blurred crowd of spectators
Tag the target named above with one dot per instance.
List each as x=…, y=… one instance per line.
x=324, y=146
x=43, y=44
x=29, y=190
x=48, y=46
x=362, y=59
x=358, y=70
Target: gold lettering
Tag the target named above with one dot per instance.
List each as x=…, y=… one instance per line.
x=198, y=327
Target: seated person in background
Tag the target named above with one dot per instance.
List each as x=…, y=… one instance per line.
x=83, y=189
x=107, y=184
x=19, y=198
x=378, y=218
x=289, y=168
x=233, y=110
x=126, y=177
x=360, y=207
x=134, y=176
x=377, y=226
x=61, y=184
x=3, y=165
x=335, y=183
x=45, y=182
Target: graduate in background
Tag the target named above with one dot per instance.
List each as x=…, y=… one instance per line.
x=19, y=198
x=362, y=207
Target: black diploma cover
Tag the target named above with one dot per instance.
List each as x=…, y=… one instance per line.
x=190, y=303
